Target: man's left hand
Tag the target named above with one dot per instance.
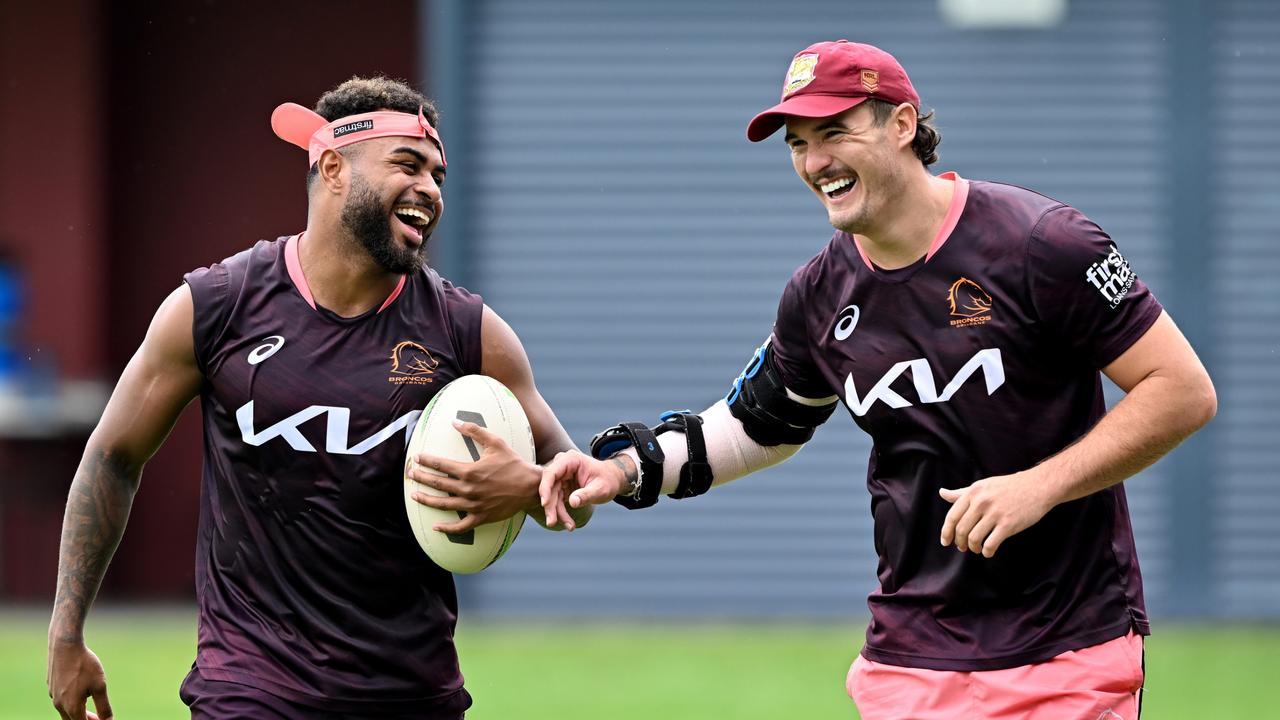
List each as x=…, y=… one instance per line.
x=990, y=511
x=493, y=488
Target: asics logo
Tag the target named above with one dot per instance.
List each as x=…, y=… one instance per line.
x=988, y=361
x=847, y=321
x=268, y=348
x=337, y=429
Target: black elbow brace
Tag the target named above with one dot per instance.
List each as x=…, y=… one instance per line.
x=759, y=401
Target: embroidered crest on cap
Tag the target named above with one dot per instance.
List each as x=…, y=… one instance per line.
x=870, y=80
x=800, y=73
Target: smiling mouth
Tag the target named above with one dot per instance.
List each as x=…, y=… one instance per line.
x=416, y=218
x=837, y=188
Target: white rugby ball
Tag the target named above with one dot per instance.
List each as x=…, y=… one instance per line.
x=486, y=402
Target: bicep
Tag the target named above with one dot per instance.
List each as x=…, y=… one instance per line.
x=503, y=358
x=159, y=381
x=1161, y=351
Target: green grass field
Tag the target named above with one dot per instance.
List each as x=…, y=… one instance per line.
x=723, y=671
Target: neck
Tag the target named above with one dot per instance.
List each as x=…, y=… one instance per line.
x=341, y=275
x=903, y=233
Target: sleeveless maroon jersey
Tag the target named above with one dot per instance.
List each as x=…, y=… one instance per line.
x=309, y=581
x=981, y=359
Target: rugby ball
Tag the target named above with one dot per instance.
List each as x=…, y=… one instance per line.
x=485, y=402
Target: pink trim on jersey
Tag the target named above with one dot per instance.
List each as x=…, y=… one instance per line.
x=294, y=266
x=863, y=254
x=1102, y=682
x=394, y=294
x=959, y=195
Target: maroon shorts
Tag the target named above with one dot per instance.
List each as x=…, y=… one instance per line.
x=215, y=699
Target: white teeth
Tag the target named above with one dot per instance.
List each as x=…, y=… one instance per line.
x=835, y=185
x=414, y=213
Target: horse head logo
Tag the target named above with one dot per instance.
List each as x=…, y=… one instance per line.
x=410, y=358
x=968, y=299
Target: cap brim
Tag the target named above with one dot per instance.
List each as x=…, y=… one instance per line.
x=809, y=106
x=296, y=124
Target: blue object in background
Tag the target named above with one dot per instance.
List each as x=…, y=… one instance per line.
x=10, y=308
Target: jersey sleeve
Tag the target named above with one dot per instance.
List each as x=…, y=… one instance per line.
x=791, y=347
x=210, y=296
x=466, y=311
x=1084, y=289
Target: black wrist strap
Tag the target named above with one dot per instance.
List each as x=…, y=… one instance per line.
x=617, y=438
x=695, y=474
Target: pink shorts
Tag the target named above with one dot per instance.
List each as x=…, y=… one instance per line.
x=1102, y=682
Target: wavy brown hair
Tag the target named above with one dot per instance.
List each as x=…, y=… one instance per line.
x=925, y=143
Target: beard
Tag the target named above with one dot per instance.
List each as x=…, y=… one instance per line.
x=889, y=182
x=853, y=222
x=369, y=222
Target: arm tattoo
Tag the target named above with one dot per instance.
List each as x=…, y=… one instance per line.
x=97, y=510
x=629, y=472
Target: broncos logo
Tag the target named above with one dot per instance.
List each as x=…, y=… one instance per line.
x=968, y=299
x=410, y=358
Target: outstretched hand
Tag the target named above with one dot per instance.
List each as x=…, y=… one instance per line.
x=497, y=485
x=990, y=511
x=573, y=480
x=75, y=674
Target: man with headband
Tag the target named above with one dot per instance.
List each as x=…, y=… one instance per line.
x=314, y=598
x=965, y=326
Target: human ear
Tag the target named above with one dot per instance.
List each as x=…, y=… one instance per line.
x=331, y=166
x=904, y=124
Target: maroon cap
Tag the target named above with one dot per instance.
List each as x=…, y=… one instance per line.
x=828, y=78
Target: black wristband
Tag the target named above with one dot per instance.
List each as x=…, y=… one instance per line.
x=615, y=439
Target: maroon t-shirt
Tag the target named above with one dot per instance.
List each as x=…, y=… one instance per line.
x=981, y=359
x=309, y=581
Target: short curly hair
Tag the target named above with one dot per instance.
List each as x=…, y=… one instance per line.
x=371, y=94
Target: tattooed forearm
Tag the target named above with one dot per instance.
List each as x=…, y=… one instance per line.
x=629, y=472
x=97, y=510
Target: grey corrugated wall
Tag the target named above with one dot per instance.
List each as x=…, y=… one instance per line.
x=1244, y=91
x=616, y=216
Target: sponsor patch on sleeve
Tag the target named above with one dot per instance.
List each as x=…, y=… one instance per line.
x=1111, y=276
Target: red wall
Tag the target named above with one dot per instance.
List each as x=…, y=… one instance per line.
x=151, y=154
x=52, y=208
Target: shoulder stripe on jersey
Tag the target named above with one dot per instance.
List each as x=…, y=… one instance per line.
x=294, y=265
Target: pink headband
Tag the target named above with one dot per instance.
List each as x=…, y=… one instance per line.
x=306, y=129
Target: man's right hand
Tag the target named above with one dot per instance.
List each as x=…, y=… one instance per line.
x=579, y=479
x=75, y=674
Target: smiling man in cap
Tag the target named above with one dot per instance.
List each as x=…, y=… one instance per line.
x=314, y=597
x=966, y=326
